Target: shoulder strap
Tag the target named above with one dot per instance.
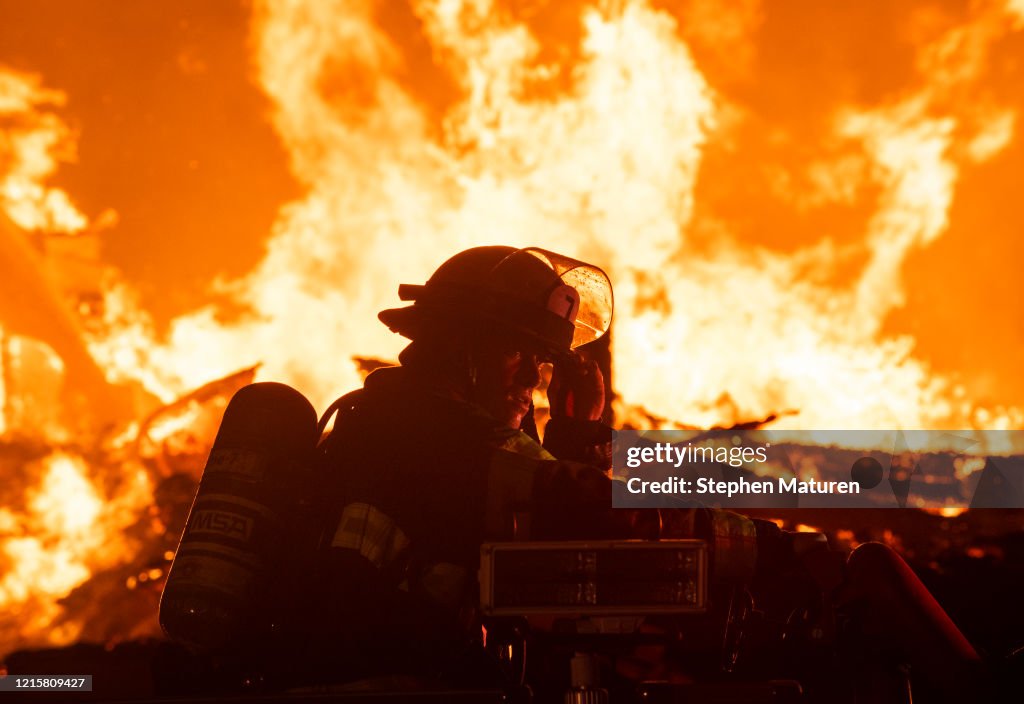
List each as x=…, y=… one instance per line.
x=341, y=406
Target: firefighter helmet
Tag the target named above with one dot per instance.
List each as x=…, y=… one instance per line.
x=558, y=301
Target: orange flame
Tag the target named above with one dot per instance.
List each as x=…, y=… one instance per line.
x=31, y=147
x=601, y=157
x=473, y=122
x=65, y=531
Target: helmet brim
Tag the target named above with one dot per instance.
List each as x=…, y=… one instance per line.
x=415, y=322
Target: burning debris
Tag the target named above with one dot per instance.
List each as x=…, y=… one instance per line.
x=87, y=531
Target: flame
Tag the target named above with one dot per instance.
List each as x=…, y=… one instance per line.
x=58, y=527
x=30, y=150
x=603, y=157
x=419, y=130
x=601, y=152
x=66, y=530
x=947, y=511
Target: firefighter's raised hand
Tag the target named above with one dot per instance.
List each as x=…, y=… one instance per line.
x=576, y=389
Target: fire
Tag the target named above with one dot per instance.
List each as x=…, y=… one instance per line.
x=64, y=518
x=947, y=511
x=603, y=157
x=418, y=130
x=601, y=152
x=30, y=151
x=66, y=530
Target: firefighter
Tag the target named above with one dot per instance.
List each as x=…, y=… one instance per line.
x=434, y=457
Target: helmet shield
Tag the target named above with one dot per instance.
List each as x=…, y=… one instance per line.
x=582, y=296
x=560, y=302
